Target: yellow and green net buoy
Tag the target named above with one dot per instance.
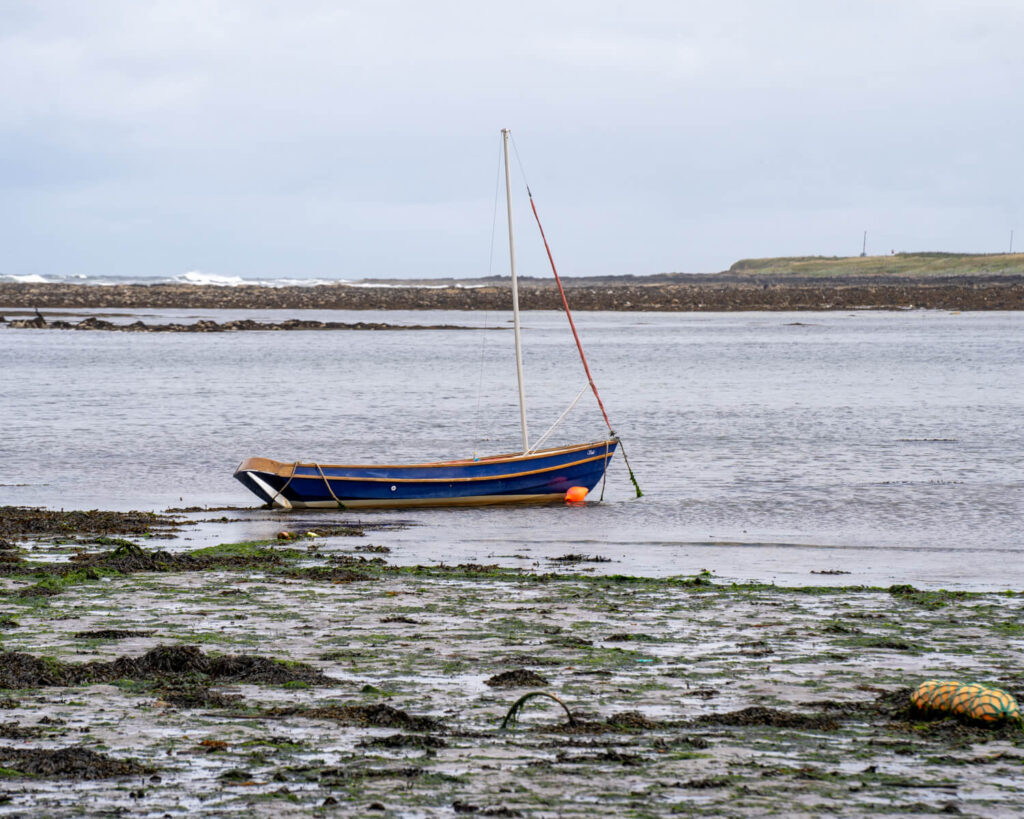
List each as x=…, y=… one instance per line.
x=970, y=700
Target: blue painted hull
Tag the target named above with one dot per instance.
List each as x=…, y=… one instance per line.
x=538, y=477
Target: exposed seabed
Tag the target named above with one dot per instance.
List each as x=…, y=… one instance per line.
x=311, y=676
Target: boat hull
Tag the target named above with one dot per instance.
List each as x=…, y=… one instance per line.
x=539, y=477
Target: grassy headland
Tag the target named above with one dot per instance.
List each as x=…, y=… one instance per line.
x=897, y=265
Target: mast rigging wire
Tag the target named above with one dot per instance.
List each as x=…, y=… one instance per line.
x=537, y=444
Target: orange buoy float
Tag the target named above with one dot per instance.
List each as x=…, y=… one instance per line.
x=971, y=700
x=576, y=494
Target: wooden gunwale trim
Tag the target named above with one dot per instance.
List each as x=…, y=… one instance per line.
x=333, y=478
x=285, y=469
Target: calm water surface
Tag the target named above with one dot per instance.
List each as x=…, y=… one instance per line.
x=769, y=445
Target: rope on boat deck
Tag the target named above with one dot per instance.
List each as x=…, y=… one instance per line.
x=277, y=494
x=327, y=483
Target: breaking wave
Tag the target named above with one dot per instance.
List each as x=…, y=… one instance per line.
x=197, y=277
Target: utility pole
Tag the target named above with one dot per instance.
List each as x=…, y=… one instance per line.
x=864, y=246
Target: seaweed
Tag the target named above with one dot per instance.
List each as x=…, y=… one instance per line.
x=758, y=715
x=378, y=716
x=69, y=763
x=18, y=522
x=111, y=634
x=579, y=558
x=421, y=741
x=11, y=730
x=519, y=678
x=20, y=670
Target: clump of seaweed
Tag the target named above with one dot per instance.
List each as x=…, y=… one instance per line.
x=518, y=678
x=329, y=574
x=20, y=670
x=23, y=521
x=467, y=807
x=772, y=717
x=925, y=599
x=129, y=558
x=374, y=716
x=420, y=741
x=625, y=722
x=111, y=634
x=190, y=694
x=70, y=763
x=11, y=730
x=632, y=721
x=580, y=558
x=250, y=668
x=338, y=531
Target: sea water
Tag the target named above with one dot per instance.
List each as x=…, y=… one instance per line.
x=769, y=446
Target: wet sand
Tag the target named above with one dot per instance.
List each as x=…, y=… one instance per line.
x=703, y=294
x=310, y=676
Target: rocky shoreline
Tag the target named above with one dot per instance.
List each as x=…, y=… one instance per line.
x=39, y=322
x=703, y=296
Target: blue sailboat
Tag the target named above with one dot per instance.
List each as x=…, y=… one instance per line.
x=532, y=475
x=544, y=476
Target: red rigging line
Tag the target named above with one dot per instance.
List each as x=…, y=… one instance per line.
x=579, y=345
x=568, y=313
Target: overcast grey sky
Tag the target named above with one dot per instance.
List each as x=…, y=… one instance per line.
x=360, y=139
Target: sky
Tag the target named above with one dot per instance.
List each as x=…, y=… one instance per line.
x=361, y=139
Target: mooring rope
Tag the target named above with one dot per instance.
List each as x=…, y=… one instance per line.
x=327, y=483
x=277, y=494
x=632, y=477
x=604, y=475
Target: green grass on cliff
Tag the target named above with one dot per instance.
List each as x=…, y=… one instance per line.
x=897, y=265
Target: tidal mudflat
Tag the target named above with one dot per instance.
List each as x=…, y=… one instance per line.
x=311, y=676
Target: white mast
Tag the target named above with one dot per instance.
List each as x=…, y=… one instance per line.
x=515, y=295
